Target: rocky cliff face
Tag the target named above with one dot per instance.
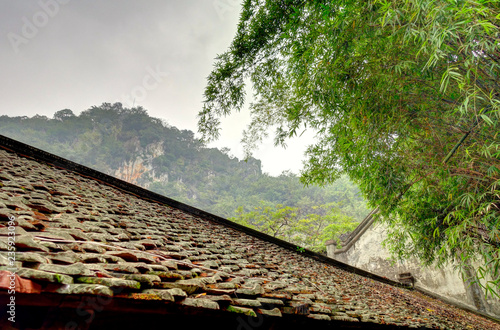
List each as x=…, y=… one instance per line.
x=140, y=170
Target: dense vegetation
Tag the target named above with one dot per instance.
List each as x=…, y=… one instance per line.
x=404, y=97
x=176, y=164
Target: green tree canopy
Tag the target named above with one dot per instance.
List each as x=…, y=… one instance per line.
x=296, y=225
x=404, y=98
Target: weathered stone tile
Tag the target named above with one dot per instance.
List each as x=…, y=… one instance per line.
x=99, y=270
x=241, y=310
x=87, y=289
x=123, y=237
x=270, y=302
x=26, y=242
x=31, y=257
x=147, y=258
x=158, y=268
x=224, y=285
x=201, y=303
x=90, y=227
x=122, y=268
x=322, y=308
x=141, y=267
x=90, y=258
x=275, y=312
x=91, y=247
x=76, y=247
x=4, y=176
x=59, y=236
x=44, y=276
x=167, y=276
x=4, y=261
x=189, y=286
x=149, y=244
x=77, y=234
x=5, y=231
x=73, y=269
x=44, y=206
x=220, y=291
x=278, y=295
x=253, y=291
x=38, y=195
x=143, y=279
x=67, y=257
x=177, y=293
x=25, y=224
x=247, y=302
x=125, y=255
x=109, y=282
x=319, y=317
x=161, y=294
x=103, y=237
x=13, y=188
x=4, y=246
x=53, y=247
x=237, y=280
x=208, y=264
x=174, y=248
x=220, y=299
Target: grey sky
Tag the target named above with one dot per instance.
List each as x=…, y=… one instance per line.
x=57, y=54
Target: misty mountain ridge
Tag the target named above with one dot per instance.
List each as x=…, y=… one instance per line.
x=129, y=144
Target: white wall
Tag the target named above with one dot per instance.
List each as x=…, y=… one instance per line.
x=367, y=253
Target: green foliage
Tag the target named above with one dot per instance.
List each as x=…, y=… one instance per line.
x=404, y=98
x=296, y=225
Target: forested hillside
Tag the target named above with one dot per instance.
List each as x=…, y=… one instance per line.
x=131, y=145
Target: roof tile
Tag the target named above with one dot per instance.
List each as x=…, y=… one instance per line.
x=143, y=279
x=204, y=303
x=109, y=282
x=92, y=289
x=161, y=294
x=189, y=286
x=31, y=257
x=26, y=242
x=247, y=302
x=73, y=269
x=275, y=312
x=177, y=293
x=44, y=276
x=241, y=310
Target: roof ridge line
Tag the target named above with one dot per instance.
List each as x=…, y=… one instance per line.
x=358, y=232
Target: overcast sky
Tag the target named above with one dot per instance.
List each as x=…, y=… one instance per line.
x=73, y=54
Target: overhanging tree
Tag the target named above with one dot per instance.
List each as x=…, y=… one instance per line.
x=404, y=98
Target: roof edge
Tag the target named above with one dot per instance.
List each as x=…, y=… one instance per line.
x=28, y=151
x=457, y=304
x=358, y=232
x=70, y=309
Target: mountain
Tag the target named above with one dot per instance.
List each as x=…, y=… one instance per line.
x=131, y=145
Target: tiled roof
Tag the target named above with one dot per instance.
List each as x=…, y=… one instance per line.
x=78, y=235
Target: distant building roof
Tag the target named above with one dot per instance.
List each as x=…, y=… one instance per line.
x=95, y=250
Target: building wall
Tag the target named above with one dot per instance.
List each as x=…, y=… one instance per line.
x=365, y=251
